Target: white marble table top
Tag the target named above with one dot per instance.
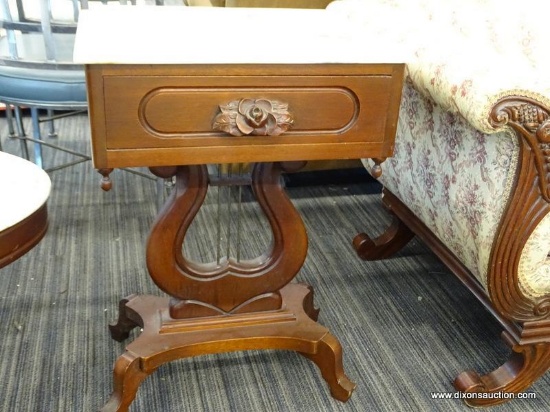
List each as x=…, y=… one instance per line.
x=212, y=35
x=24, y=188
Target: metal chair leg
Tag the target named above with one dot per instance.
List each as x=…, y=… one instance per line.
x=160, y=192
x=21, y=132
x=9, y=117
x=164, y=187
x=37, y=136
x=51, y=125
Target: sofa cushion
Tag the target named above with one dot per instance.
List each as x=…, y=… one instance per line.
x=40, y=82
x=41, y=87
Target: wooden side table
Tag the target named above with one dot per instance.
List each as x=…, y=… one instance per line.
x=176, y=119
x=24, y=189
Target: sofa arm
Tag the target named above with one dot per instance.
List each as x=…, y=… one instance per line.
x=465, y=56
x=518, y=272
x=472, y=90
x=484, y=53
x=485, y=196
x=534, y=263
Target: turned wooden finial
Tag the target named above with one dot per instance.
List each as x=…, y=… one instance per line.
x=106, y=183
x=376, y=170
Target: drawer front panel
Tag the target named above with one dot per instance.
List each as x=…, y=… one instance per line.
x=167, y=115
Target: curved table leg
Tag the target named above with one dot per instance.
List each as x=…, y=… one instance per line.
x=127, y=376
x=328, y=358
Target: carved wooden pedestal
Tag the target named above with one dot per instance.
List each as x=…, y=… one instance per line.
x=228, y=305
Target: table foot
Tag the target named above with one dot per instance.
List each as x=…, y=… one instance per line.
x=127, y=320
x=164, y=339
x=328, y=358
x=128, y=375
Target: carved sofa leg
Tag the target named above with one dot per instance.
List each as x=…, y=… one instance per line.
x=529, y=340
x=526, y=364
x=396, y=236
x=524, y=316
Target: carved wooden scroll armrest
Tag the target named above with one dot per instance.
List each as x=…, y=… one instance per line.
x=529, y=203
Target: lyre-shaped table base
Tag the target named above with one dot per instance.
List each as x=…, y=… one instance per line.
x=227, y=305
x=163, y=340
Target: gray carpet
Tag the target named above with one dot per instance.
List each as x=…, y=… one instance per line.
x=406, y=325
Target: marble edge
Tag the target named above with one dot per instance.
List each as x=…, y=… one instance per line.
x=21, y=174
x=271, y=36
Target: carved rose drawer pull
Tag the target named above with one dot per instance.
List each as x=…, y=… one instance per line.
x=259, y=117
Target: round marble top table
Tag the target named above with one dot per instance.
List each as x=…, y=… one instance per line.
x=24, y=190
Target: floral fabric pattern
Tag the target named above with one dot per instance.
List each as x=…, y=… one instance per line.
x=451, y=166
x=455, y=178
x=463, y=54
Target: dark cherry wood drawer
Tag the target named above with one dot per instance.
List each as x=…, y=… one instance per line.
x=160, y=115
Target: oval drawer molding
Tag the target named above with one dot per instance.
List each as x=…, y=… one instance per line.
x=180, y=112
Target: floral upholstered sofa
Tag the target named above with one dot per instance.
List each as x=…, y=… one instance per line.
x=471, y=168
